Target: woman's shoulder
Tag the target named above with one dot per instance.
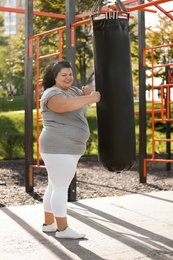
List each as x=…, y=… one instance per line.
x=50, y=92
x=53, y=90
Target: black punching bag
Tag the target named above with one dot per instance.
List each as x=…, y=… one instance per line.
x=113, y=79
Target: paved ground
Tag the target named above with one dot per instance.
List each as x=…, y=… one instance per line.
x=130, y=227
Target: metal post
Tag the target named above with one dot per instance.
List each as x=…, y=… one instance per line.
x=168, y=125
x=28, y=97
x=70, y=56
x=70, y=19
x=142, y=98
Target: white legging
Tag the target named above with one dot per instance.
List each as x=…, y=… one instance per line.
x=61, y=169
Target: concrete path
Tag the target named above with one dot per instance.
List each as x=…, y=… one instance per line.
x=131, y=227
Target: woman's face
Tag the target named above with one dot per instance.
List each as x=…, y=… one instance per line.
x=64, y=78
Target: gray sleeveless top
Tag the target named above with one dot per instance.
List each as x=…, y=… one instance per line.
x=63, y=133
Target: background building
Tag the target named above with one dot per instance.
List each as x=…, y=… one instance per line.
x=12, y=21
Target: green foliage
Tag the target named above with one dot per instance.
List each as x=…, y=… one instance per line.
x=12, y=134
x=17, y=58
x=92, y=144
x=45, y=23
x=12, y=66
x=17, y=104
x=160, y=34
x=12, y=47
x=12, y=146
x=3, y=53
x=134, y=51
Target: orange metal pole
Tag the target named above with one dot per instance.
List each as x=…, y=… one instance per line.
x=60, y=44
x=49, y=55
x=37, y=99
x=105, y=9
x=168, y=103
x=31, y=178
x=22, y=11
x=48, y=32
x=38, y=58
x=73, y=29
x=153, y=111
x=142, y=6
x=145, y=168
x=164, y=111
x=159, y=46
x=162, y=10
x=144, y=57
x=30, y=48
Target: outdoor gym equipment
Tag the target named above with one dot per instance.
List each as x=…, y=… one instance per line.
x=113, y=79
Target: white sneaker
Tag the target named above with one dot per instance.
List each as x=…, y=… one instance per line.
x=69, y=233
x=49, y=228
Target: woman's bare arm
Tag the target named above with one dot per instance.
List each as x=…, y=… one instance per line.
x=60, y=103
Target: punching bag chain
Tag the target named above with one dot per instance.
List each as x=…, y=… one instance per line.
x=120, y=6
x=120, y=10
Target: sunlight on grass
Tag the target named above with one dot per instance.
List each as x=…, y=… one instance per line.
x=12, y=124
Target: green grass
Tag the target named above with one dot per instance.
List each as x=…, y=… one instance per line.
x=12, y=131
x=18, y=103
x=12, y=122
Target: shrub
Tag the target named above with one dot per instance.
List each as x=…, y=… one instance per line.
x=12, y=145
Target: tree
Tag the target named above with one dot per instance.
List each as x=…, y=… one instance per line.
x=84, y=51
x=3, y=55
x=160, y=34
x=84, y=48
x=18, y=62
x=134, y=50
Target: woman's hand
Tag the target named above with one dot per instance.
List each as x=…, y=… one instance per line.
x=86, y=90
x=96, y=96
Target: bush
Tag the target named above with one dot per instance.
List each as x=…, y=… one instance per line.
x=12, y=146
x=12, y=138
x=91, y=146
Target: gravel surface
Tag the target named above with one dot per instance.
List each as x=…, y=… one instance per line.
x=93, y=181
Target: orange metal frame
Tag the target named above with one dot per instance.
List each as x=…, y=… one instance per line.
x=141, y=7
x=166, y=105
x=59, y=31
x=58, y=54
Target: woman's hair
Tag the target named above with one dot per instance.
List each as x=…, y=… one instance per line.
x=52, y=70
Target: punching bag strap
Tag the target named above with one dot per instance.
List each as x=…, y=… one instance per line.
x=97, y=7
x=96, y=11
x=120, y=6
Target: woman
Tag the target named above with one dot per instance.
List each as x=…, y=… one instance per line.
x=62, y=141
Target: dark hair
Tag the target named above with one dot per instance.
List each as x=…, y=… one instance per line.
x=52, y=70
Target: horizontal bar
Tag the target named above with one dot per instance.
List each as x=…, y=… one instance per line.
x=159, y=160
x=22, y=11
x=38, y=166
x=48, y=32
x=157, y=111
x=163, y=85
x=80, y=23
x=163, y=10
x=163, y=140
x=140, y=7
x=163, y=120
x=159, y=46
x=49, y=55
x=162, y=65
